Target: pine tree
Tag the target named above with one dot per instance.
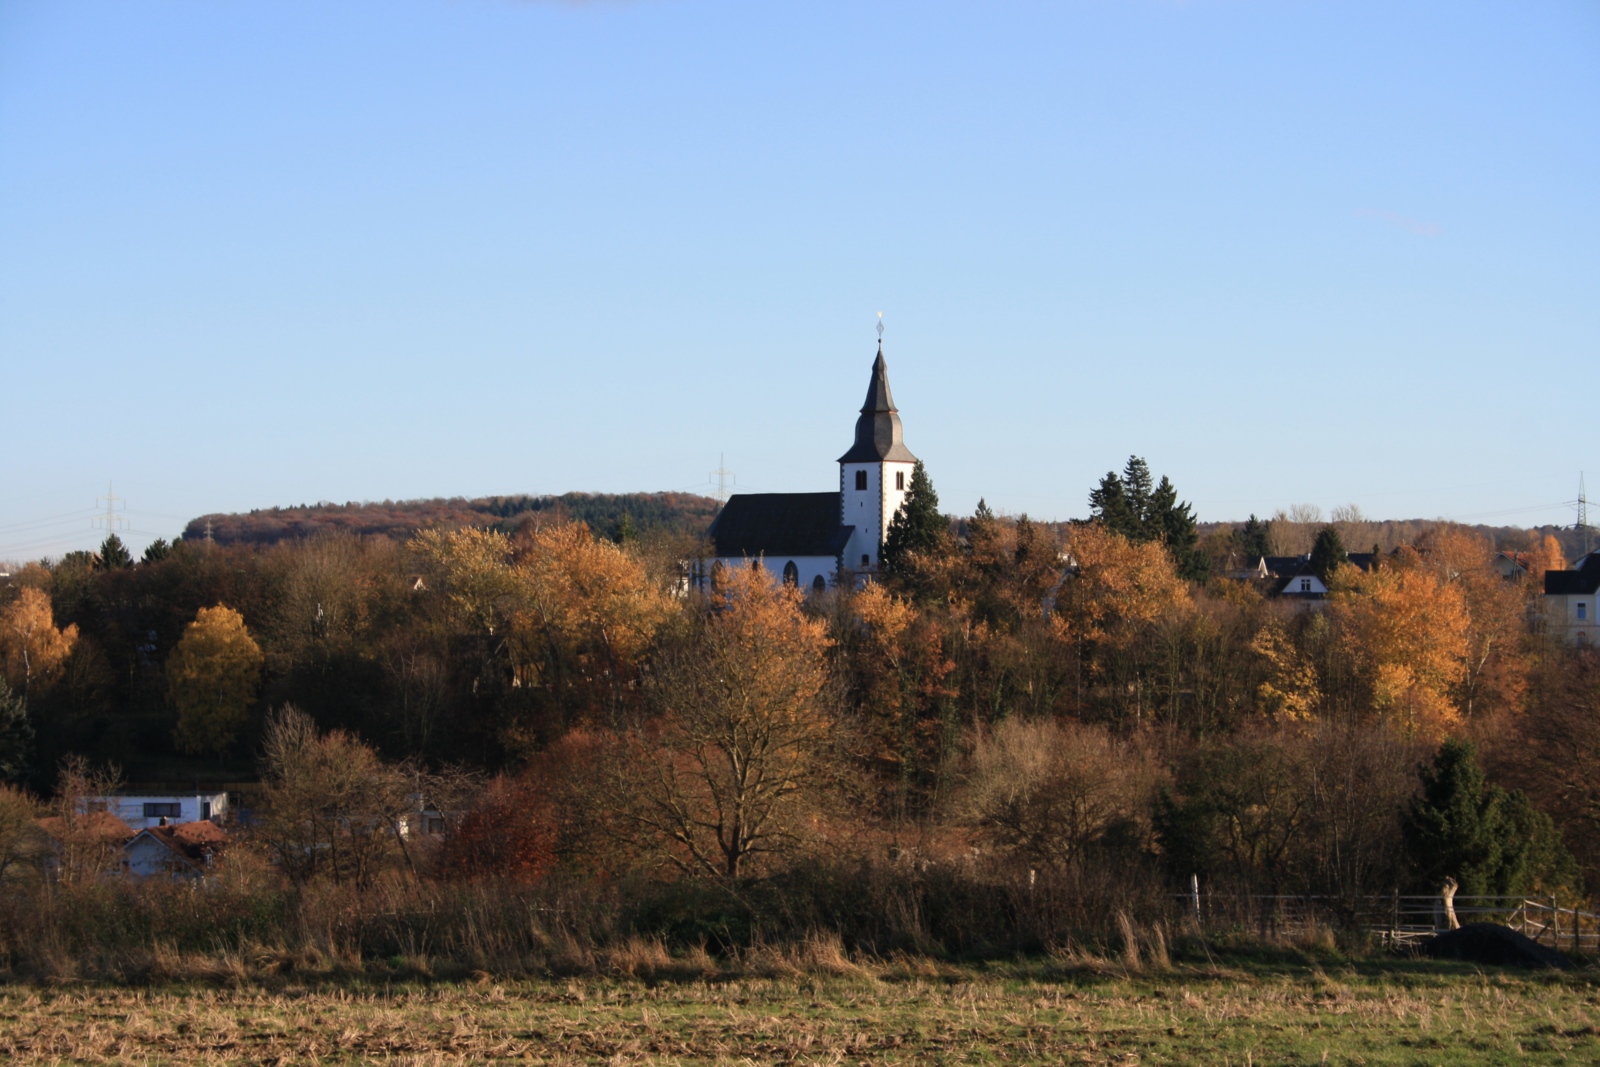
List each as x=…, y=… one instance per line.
x=114, y=555
x=1493, y=843
x=1254, y=538
x=1108, y=505
x=1328, y=554
x=627, y=532
x=917, y=526
x=1127, y=505
x=16, y=735
x=157, y=550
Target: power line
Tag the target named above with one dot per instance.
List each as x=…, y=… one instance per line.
x=111, y=522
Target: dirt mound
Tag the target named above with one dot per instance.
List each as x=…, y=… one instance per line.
x=1491, y=943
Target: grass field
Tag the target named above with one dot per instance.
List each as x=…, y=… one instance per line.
x=1251, y=1013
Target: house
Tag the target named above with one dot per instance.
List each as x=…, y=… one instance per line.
x=812, y=540
x=1291, y=577
x=141, y=810
x=184, y=851
x=1512, y=566
x=1570, y=599
x=85, y=844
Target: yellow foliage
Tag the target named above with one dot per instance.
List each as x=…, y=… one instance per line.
x=588, y=594
x=1290, y=690
x=212, y=676
x=473, y=569
x=1118, y=585
x=1408, y=631
x=32, y=651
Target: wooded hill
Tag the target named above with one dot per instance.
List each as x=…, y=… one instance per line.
x=679, y=513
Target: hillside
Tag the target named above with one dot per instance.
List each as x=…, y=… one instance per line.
x=685, y=513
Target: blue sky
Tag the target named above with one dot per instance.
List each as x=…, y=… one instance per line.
x=268, y=253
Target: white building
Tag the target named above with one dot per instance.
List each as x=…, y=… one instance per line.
x=812, y=540
x=140, y=810
x=1571, y=598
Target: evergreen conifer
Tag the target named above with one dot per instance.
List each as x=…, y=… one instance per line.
x=16, y=735
x=1493, y=843
x=157, y=550
x=1254, y=538
x=1328, y=554
x=114, y=555
x=917, y=526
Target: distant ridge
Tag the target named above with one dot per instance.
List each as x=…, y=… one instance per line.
x=679, y=513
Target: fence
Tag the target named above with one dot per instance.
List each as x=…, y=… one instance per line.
x=1398, y=919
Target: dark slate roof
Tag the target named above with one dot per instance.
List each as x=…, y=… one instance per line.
x=1285, y=569
x=878, y=431
x=780, y=524
x=1582, y=579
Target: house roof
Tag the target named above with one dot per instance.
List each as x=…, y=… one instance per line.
x=878, y=431
x=1287, y=568
x=191, y=840
x=780, y=524
x=1583, y=578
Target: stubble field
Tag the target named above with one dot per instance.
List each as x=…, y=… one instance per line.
x=1398, y=1013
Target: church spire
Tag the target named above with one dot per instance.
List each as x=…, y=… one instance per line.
x=878, y=431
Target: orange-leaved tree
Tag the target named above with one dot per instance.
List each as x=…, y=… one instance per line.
x=212, y=677
x=1407, y=631
x=32, y=651
x=724, y=777
x=589, y=614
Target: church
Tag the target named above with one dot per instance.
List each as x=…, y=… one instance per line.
x=813, y=540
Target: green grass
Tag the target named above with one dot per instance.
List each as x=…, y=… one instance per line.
x=906, y=1012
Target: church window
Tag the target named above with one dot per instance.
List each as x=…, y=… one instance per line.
x=791, y=574
x=861, y=480
x=866, y=560
x=899, y=479
x=819, y=584
x=755, y=564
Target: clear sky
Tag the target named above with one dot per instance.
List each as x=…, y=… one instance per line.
x=258, y=253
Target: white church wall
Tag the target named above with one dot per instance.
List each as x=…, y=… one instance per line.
x=809, y=568
x=870, y=510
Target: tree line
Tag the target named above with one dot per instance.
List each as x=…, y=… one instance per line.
x=1091, y=704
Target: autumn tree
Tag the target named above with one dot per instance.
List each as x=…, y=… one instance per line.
x=32, y=651
x=19, y=835
x=587, y=614
x=1049, y=791
x=1406, y=635
x=330, y=807
x=212, y=677
x=723, y=779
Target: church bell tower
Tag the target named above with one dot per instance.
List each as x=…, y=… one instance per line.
x=874, y=475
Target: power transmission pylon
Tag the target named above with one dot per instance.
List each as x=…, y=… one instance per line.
x=110, y=522
x=723, y=476
x=1582, y=525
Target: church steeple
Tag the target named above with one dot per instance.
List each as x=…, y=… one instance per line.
x=879, y=436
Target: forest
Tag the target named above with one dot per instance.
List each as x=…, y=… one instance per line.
x=1021, y=735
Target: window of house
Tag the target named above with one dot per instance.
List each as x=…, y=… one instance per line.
x=861, y=480
x=791, y=574
x=866, y=560
x=205, y=809
x=899, y=479
x=162, y=810
x=1305, y=585
x=1583, y=611
x=433, y=824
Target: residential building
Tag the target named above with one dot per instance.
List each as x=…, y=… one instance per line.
x=1570, y=601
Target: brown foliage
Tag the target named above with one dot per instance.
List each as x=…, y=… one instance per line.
x=32, y=651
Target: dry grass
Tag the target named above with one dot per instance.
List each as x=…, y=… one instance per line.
x=904, y=1011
